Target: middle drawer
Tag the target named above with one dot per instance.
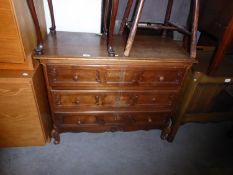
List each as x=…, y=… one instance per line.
x=102, y=100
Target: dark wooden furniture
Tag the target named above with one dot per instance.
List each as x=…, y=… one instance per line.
x=205, y=99
x=190, y=36
x=218, y=27
x=208, y=96
x=109, y=18
x=91, y=92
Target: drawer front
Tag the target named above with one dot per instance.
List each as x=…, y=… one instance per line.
x=102, y=100
x=73, y=77
x=95, y=120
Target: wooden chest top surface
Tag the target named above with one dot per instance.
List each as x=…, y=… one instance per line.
x=70, y=45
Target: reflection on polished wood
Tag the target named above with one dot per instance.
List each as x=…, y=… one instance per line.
x=72, y=45
x=91, y=92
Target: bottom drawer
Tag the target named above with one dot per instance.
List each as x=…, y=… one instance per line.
x=111, y=122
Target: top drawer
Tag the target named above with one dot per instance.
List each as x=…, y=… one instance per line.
x=106, y=76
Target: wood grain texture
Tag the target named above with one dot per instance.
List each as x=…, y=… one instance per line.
x=72, y=76
x=22, y=114
x=72, y=45
x=204, y=99
x=17, y=34
x=97, y=93
x=41, y=99
x=11, y=49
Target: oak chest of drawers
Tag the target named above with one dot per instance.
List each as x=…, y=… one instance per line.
x=96, y=93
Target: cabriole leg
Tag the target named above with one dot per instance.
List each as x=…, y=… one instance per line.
x=114, y=11
x=40, y=47
x=53, y=27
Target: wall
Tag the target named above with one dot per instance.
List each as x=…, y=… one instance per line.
x=76, y=15
x=85, y=15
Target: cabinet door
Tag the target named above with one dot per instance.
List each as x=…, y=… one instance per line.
x=11, y=50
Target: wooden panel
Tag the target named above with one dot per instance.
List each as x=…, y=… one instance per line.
x=203, y=98
x=11, y=49
x=17, y=34
x=26, y=25
x=5, y=4
x=20, y=120
x=102, y=76
x=108, y=100
x=72, y=45
x=39, y=90
x=95, y=120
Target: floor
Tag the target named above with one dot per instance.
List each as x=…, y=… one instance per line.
x=198, y=149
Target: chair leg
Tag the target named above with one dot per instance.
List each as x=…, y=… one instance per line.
x=114, y=11
x=133, y=30
x=106, y=14
x=126, y=16
x=53, y=28
x=39, y=49
x=167, y=16
x=226, y=40
x=193, y=47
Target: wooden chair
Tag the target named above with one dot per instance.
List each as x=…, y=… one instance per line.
x=167, y=25
x=110, y=13
x=109, y=19
x=223, y=45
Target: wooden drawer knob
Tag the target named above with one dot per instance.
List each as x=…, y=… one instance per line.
x=77, y=101
x=75, y=77
x=149, y=120
x=97, y=100
x=161, y=78
x=154, y=99
x=79, y=122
